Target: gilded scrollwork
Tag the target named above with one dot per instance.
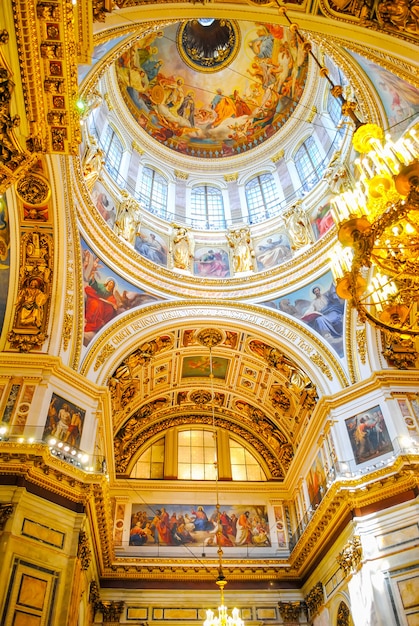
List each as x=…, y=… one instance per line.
x=320, y=362
x=110, y=610
x=343, y=615
x=209, y=337
x=201, y=396
x=395, y=16
x=400, y=352
x=33, y=189
x=6, y=511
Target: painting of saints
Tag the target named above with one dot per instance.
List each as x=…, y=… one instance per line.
x=273, y=251
x=104, y=203
x=151, y=246
x=64, y=421
x=202, y=525
x=106, y=294
x=368, y=435
x=211, y=263
x=270, y=74
x=318, y=306
x=322, y=221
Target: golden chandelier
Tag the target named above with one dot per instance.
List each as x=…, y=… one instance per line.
x=376, y=264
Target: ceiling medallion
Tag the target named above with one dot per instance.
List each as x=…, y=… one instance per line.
x=209, y=337
x=208, y=45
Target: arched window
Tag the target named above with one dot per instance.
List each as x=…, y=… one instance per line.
x=196, y=455
x=207, y=207
x=151, y=462
x=152, y=192
x=262, y=198
x=308, y=162
x=195, y=458
x=244, y=466
x=113, y=150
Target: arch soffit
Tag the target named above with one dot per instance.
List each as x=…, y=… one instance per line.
x=286, y=334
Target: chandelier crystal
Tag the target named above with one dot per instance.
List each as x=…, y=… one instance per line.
x=376, y=263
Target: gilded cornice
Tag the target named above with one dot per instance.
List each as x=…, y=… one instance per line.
x=36, y=465
x=378, y=380
x=351, y=495
x=41, y=367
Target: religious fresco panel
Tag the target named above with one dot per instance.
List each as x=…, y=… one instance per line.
x=152, y=246
x=159, y=84
x=182, y=524
x=399, y=98
x=319, y=307
x=368, y=435
x=272, y=251
x=322, y=220
x=64, y=421
x=211, y=262
x=104, y=203
x=107, y=295
x=199, y=365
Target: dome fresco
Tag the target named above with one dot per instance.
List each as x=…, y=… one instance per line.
x=200, y=112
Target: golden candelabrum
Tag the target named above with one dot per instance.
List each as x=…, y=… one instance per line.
x=376, y=262
x=223, y=618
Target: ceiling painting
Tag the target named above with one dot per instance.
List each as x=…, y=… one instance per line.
x=189, y=111
x=106, y=294
x=318, y=306
x=200, y=365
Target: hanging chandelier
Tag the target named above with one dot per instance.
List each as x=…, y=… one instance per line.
x=376, y=263
x=223, y=618
x=210, y=338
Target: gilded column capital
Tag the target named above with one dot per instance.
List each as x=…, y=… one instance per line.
x=6, y=511
x=351, y=555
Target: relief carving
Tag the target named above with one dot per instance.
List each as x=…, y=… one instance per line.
x=32, y=304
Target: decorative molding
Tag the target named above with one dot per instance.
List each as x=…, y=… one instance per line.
x=14, y=159
x=111, y=611
x=181, y=175
x=278, y=156
x=361, y=342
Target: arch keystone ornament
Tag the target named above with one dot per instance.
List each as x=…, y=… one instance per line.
x=209, y=337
